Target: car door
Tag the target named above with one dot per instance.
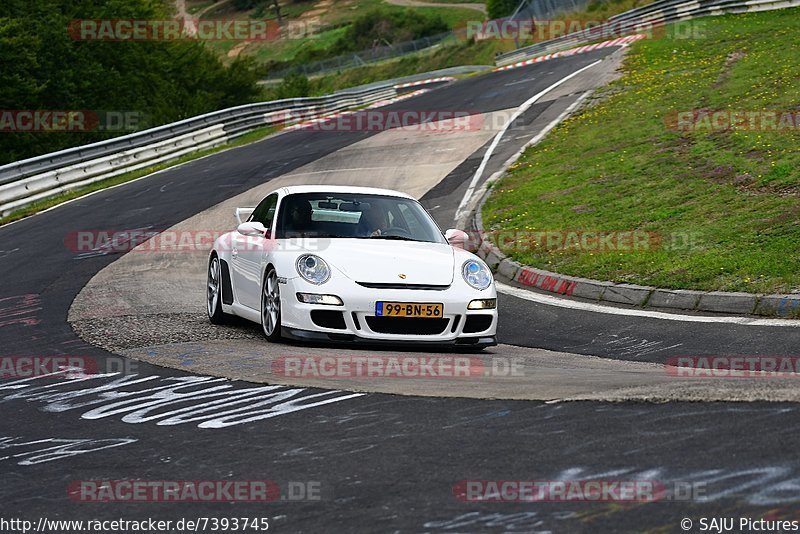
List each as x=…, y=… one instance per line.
x=248, y=253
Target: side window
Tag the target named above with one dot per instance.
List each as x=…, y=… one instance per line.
x=265, y=211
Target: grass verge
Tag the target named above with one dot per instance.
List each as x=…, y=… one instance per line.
x=728, y=201
x=468, y=53
x=44, y=204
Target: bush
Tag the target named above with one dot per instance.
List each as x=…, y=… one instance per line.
x=496, y=9
x=293, y=85
x=381, y=28
x=244, y=5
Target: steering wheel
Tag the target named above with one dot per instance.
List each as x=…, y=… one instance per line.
x=397, y=231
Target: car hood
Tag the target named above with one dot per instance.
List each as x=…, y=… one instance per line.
x=380, y=261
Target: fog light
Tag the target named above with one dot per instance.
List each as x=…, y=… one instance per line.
x=313, y=298
x=482, y=304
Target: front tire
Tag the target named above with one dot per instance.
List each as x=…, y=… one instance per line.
x=214, y=292
x=271, y=306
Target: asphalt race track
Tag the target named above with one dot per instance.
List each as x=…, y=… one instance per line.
x=384, y=463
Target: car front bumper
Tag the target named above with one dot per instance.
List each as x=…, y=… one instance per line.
x=356, y=321
x=338, y=337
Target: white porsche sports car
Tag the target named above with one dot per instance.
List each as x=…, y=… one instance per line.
x=351, y=264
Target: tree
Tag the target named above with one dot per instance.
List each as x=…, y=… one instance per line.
x=44, y=68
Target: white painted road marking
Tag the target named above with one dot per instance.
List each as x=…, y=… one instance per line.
x=460, y=211
x=524, y=80
x=600, y=308
x=53, y=449
x=478, y=193
x=170, y=400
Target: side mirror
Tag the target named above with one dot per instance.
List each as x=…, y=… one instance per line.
x=457, y=238
x=252, y=229
x=242, y=214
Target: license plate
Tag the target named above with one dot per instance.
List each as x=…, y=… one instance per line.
x=425, y=310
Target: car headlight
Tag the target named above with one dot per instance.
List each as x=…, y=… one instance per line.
x=313, y=269
x=476, y=274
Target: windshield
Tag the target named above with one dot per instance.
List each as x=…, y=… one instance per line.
x=359, y=216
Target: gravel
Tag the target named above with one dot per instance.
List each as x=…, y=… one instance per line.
x=133, y=331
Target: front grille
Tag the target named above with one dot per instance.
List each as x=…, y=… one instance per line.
x=416, y=287
x=406, y=325
x=328, y=319
x=477, y=323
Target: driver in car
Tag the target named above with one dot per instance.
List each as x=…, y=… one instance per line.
x=373, y=222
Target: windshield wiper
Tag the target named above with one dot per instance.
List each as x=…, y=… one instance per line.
x=311, y=235
x=394, y=237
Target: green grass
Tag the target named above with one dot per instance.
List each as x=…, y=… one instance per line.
x=617, y=166
x=337, y=14
x=455, y=17
x=195, y=7
x=41, y=205
x=602, y=9
x=228, y=10
x=287, y=49
x=446, y=56
x=346, y=11
x=456, y=1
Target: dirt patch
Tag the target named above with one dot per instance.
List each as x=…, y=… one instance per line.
x=781, y=191
x=730, y=60
x=314, y=13
x=238, y=49
x=418, y=3
x=721, y=174
x=559, y=193
x=582, y=208
x=746, y=183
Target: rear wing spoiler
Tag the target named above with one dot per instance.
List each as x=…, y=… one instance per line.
x=242, y=214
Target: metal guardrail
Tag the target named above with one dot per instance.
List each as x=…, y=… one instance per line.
x=449, y=71
x=27, y=181
x=641, y=20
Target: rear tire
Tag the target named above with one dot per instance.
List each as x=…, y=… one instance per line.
x=271, y=306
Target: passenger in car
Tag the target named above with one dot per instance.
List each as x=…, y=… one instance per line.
x=300, y=217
